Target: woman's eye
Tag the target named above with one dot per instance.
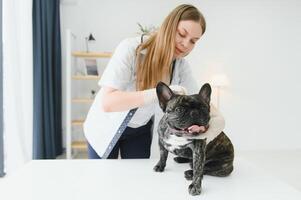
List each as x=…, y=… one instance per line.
x=181, y=35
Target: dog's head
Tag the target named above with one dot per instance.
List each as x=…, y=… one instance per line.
x=186, y=115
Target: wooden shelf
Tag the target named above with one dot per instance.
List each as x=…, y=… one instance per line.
x=79, y=145
x=85, y=77
x=75, y=101
x=92, y=54
x=82, y=100
x=78, y=122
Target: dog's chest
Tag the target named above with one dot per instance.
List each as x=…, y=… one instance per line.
x=172, y=143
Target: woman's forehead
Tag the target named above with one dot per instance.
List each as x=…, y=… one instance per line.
x=193, y=28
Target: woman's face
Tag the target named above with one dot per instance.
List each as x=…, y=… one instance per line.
x=188, y=33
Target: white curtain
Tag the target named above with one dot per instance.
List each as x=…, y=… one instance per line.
x=18, y=80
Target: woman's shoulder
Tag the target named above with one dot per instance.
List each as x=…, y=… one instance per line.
x=126, y=49
x=129, y=43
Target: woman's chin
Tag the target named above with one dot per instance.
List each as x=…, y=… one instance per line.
x=176, y=56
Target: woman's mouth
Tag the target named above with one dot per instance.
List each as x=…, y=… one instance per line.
x=179, y=51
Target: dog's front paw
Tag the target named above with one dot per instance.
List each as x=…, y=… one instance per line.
x=188, y=174
x=159, y=168
x=194, y=190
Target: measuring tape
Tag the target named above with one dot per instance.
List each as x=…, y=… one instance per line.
x=119, y=132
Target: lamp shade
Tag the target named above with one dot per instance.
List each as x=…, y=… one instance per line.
x=91, y=38
x=219, y=80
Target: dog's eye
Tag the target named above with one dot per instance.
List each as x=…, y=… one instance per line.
x=179, y=109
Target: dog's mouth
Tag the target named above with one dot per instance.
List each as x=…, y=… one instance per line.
x=191, y=130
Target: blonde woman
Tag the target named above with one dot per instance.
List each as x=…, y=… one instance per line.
x=129, y=82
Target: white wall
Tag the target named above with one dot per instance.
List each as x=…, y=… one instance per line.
x=255, y=43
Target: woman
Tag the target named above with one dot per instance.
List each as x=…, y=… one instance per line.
x=129, y=82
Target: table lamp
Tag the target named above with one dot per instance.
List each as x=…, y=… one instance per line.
x=219, y=81
x=89, y=39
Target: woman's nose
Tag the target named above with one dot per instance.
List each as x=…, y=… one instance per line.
x=185, y=44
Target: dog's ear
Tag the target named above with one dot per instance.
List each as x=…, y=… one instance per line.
x=205, y=93
x=164, y=94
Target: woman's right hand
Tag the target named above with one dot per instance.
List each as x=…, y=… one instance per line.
x=150, y=95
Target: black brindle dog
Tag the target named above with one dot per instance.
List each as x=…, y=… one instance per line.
x=179, y=133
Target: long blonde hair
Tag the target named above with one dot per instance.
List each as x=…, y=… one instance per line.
x=155, y=65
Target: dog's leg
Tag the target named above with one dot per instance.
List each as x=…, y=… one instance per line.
x=189, y=173
x=181, y=160
x=198, y=167
x=220, y=167
x=219, y=157
x=159, y=167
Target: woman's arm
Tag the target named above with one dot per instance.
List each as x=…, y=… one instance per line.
x=114, y=100
x=216, y=124
x=217, y=121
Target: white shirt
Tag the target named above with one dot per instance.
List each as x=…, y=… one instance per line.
x=100, y=127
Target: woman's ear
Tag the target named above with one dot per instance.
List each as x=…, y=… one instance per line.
x=164, y=94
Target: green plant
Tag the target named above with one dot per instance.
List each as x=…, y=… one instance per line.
x=146, y=29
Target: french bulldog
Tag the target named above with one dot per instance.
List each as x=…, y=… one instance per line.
x=185, y=118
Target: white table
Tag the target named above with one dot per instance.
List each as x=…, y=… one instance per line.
x=135, y=179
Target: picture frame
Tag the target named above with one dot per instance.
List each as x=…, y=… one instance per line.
x=91, y=67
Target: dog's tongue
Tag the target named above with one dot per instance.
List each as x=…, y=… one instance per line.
x=196, y=129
